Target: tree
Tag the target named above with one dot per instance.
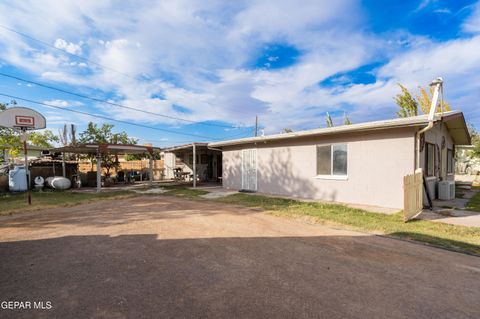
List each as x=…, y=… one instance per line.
x=346, y=119
x=408, y=105
x=103, y=134
x=12, y=138
x=43, y=138
x=329, y=120
x=424, y=98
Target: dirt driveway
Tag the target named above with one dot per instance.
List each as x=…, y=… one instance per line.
x=163, y=257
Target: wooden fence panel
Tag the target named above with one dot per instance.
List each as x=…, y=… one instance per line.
x=413, y=195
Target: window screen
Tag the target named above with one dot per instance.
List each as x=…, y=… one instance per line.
x=332, y=159
x=339, y=159
x=430, y=160
x=449, y=161
x=324, y=160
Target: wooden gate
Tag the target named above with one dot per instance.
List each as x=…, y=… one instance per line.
x=413, y=195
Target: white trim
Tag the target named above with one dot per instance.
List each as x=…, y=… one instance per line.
x=385, y=124
x=333, y=177
x=256, y=170
x=243, y=163
x=252, y=157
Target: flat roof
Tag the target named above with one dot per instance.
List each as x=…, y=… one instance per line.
x=184, y=147
x=454, y=120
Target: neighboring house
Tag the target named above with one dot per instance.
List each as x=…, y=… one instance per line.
x=33, y=152
x=466, y=163
x=361, y=163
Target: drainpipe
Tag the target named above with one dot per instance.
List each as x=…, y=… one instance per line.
x=437, y=84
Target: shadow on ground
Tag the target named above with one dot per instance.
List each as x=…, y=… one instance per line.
x=134, y=276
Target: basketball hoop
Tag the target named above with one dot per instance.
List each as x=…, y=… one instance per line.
x=23, y=119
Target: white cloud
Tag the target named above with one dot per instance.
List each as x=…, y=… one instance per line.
x=68, y=46
x=196, y=55
x=472, y=24
x=63, y=103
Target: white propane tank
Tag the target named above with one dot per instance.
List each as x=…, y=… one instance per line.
x=39, y=182
x=17, y=179
x=58, y=182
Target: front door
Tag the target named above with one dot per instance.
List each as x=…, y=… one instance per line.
x=209, y=167
x=249, y=170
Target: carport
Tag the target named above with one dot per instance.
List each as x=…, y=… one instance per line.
x=109, y=149
x=195, y=159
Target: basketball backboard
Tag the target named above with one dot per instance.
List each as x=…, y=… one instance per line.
x=22, y=118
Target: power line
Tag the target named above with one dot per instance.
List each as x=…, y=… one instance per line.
x=111, y=103
x=65, y=51
x=82, y=58
x=105, y=117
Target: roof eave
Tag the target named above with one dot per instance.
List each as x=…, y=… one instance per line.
x=287, y=136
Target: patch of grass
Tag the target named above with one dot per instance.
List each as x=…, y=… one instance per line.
x=185, y=192
x=13, y=203
x=474, y=203
x=459, y=238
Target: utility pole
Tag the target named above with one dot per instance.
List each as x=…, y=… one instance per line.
x=256, y=125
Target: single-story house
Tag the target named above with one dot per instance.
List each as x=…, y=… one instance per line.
x=360, y=163
x=33, y=152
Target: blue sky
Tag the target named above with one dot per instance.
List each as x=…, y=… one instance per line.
x=217, y=64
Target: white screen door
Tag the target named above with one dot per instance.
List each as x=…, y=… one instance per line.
x=249, y=169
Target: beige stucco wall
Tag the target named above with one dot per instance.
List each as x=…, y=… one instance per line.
x=377, y=162
x=435, y=136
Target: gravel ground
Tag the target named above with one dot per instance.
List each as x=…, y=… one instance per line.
x=165, y=257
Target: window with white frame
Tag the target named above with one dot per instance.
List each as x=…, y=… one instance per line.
x=332, y=160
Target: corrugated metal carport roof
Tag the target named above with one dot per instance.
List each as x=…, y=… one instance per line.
x=106, y=148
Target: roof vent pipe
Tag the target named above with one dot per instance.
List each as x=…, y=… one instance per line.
x=437, y=85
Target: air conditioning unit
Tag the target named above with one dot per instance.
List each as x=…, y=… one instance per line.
x=446, y=190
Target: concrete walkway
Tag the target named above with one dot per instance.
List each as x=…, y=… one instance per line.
x=453, y=217
x=454, y=211
x=218, y=192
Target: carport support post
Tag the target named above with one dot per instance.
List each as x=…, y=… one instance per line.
x=194, y=166
x=151, y=168
x=99, y=173
x=64, y=170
